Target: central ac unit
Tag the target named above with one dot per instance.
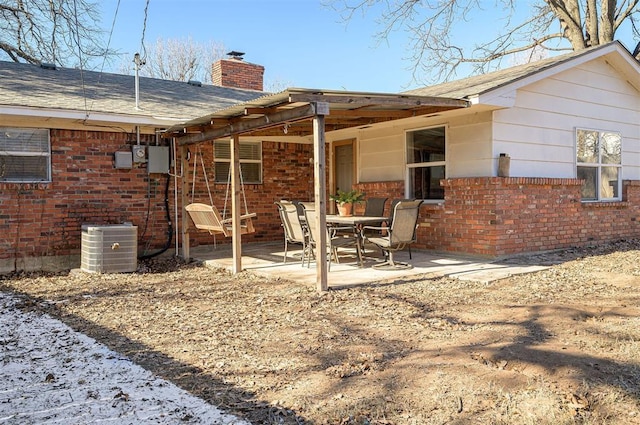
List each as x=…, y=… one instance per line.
x=109, y=248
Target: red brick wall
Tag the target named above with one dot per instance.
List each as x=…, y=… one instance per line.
x=504, y=216
x=237, y=73
x=44, y=220
x=487, y=216
x=391, y=190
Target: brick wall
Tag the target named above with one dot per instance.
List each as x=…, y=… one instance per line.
x=44, y=220
x=486, y=216
x=237, y=73
x=505, y=216
x=501, y=216
x=391, y=190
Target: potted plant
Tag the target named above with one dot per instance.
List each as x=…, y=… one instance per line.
x=345, y=200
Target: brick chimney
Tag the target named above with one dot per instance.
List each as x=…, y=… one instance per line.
x=235, y=72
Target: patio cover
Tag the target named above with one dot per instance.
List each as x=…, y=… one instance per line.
x=295, y=112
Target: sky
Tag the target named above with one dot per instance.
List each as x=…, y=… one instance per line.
x=301, y=43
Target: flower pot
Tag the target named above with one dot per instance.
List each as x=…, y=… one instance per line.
x=345, y=209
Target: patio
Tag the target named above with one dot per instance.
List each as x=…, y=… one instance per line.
x=267, y=259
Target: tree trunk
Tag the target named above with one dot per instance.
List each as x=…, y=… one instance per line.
x=607, y=17
x=591, y=24
x=568, y=13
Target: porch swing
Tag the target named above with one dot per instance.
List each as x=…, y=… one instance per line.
x=207, y=217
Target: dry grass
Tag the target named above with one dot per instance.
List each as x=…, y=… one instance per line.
x=559, y=346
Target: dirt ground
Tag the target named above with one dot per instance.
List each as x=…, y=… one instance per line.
x=560, y=346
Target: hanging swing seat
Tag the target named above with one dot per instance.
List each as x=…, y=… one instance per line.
x=207, y=217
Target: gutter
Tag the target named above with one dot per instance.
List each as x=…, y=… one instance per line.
x=156, y=121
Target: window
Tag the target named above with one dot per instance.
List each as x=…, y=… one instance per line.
x=250, y=161
x=25, y=155
x=426, y=163
x=599, y=163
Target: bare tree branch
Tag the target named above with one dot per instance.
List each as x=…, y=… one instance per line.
x=64, y=32
x=433, y=27
x=181, y=59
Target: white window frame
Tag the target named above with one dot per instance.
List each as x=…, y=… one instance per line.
x=217, y=159
x=6, y=155
x=599, y=165
x=410, y=166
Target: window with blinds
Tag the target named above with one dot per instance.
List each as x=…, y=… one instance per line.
x=250, y=161
x=25, y=155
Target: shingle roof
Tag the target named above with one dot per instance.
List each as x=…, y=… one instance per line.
x=480, y=84
x=27, y=85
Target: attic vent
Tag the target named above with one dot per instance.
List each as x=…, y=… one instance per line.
x=194, y=83
x=45, y=65
x=236, y=55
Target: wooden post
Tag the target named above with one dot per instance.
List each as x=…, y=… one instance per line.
x=236, y=210
x=320, y=194
x=184, y=200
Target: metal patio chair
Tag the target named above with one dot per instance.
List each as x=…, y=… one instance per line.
x=294, y=231
x=394, y=202
x=334, y=240
x=375, y=207
x=400, y=234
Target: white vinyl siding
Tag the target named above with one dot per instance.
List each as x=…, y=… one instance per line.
x=25, y=155
x=539, y=132
x=381, y=155
x=469, y=151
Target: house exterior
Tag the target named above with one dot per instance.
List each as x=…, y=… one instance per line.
x=68, y=145
x=546, y=156
x=570, y=126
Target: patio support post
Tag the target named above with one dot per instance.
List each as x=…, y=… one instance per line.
x=184, y=190
x=320, y=193
x=235, y=204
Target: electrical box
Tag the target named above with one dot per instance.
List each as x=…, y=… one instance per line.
x=123, y=160
x=139, y=153
x=158, y=160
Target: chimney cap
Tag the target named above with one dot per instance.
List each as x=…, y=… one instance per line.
x=235, y=54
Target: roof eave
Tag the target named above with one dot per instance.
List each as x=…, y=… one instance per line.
x=505, y=95
x=94, y=117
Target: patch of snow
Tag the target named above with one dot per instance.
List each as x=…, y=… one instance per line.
x=51, y=374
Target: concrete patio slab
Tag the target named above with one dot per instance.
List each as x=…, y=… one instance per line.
x=268, y=259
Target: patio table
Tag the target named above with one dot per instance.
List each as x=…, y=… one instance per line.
x=356, y=221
